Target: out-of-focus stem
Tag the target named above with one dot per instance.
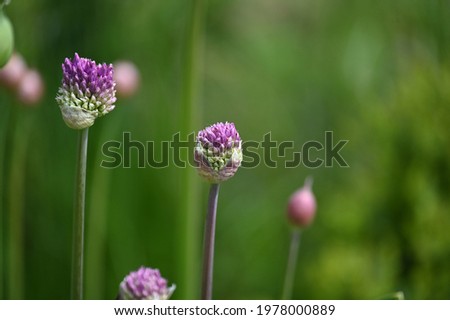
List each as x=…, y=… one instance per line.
x=208, y=243
x=189, y=218
x=19, y=130
x=3, y=127
x=78, y=221
x=291, y=265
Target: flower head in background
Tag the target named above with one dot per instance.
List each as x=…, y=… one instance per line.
x=6, y=36
x=145, y=284
x=87, y=92
x=13, y=71
x=26, y=83
x=302, y=206
x=127, y=78
x=31, y=88
x=218, y=152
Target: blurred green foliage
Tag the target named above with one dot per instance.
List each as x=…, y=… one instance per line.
x=374, y=73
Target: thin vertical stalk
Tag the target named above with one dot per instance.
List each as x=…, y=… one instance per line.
x=208, y=243
x=189, y=219
x=16, y=195
x=16, y=142
x=2, y=231
x=78, y=221
x=4, y=125
x=291, y=265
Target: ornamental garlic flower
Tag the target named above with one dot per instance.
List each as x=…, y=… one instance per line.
x=86, y=93
x=145, y=284
x=218, y=152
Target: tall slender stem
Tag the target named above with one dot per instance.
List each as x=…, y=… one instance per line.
x=78, y=221
x=5, y=120
x=189, y=219
x=208, y=243
x=291, y=265
x=20, y=125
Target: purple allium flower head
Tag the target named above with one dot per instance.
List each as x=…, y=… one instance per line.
x=145, y=284
x=87, y=91
x=218, y=152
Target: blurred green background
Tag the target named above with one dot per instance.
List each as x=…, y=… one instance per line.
x=374, y=73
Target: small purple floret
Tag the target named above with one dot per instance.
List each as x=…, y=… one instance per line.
x=85, y=78
x=145, y=284
x=220, y=135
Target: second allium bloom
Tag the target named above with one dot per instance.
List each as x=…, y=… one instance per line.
x=145, y=284
x=218, y=152
x=86, y=93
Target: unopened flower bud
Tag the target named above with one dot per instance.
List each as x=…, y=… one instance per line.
x=31, y=88
x=127, y=78
x=145, y=284
x=86, y=93
x=218, y=152
x=302, y=206
x=6, y=38
x=13, y=71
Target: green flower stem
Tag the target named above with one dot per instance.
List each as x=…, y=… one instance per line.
x=16, y=214
x=208, y=243
x=189, y=219
x=5, y=119
x=291, y=265
x=19, y=129
x=78, y=221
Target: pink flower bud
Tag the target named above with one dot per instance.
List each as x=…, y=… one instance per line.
x=302, y=206
x=127, y=78
x=13, y=71
x=31, y=88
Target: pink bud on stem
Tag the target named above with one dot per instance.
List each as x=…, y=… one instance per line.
x=302, y=206
x=301, y=211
